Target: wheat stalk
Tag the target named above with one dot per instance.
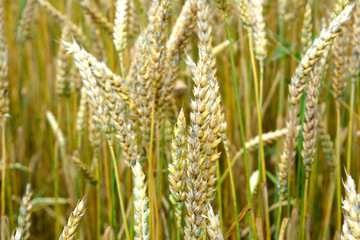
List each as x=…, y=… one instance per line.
x=4, y=59
x=62, y=19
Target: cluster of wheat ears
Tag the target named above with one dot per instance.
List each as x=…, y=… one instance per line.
x=148, y=119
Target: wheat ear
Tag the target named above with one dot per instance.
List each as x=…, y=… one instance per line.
x=339, y=78
x=64, y=85
x=24, y=218
x=141, y=204
x=177, y=166
x=258, y=24
x=158, y=21
x=296, y=89
x=71, y=227
x=88, y=174
x=213, y=226
x=306, y=30
x=96, y=16
x=355, y=42
x=121, y=23
x=351, y=211
x=196, y=190
x=178, y=40
x=27, y=18
x=93, y=70
x=310, y=131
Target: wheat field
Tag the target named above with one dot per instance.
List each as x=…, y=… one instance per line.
x=180, y=119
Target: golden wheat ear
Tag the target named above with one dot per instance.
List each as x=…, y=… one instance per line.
x=75, y=218
x=177, y=168
x=141, y=204
x=351, y=209
x=213, y=226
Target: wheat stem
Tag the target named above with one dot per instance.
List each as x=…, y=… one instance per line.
x=117, y=177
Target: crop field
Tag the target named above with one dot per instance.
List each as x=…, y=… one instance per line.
x=179, y=119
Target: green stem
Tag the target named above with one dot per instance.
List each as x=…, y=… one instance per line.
x=338, y=171
x=123, y=213
x=280, y=111
x=3, y=172
x=304, y=206
x=242, y=131
x=351, y=120
x=261, y=144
